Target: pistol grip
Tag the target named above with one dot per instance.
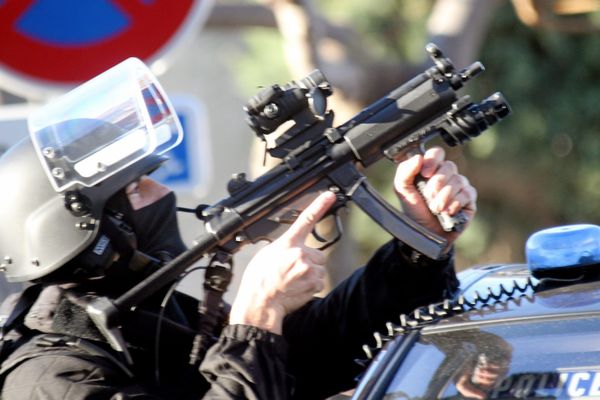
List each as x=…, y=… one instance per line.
x=356, y=187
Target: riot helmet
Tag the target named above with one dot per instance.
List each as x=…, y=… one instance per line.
x=83, y=147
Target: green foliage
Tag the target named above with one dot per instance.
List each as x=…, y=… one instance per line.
x=553, y=135
x=544, y=160
x=393, y=29
x=390, y=28
x=265, y=45
x=540, y=167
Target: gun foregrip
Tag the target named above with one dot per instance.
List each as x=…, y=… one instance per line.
x=449, y=223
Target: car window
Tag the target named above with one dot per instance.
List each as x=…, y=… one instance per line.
x=532, y=359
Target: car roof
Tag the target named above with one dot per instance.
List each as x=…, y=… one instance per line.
x=502, y=293
x=491, y=296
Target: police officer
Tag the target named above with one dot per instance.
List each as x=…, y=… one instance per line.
x=277, y=342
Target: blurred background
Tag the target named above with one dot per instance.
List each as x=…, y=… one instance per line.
x=536, y=169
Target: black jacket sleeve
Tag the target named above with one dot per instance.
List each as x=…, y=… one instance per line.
x=326, y=336
x=37, y=371
x=246, y=363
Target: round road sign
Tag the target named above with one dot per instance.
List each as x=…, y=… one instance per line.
x=52, y=45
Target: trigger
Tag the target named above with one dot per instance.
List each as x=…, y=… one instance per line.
x=337, y=235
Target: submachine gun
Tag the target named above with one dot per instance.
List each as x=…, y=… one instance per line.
x=315, y=157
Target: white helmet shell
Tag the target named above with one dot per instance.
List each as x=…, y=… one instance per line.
x=39, y=234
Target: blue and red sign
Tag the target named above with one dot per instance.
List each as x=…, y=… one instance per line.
x=66, y=42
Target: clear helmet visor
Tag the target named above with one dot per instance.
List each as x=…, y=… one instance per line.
x=103, y=126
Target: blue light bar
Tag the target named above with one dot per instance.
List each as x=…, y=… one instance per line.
x=556, y=251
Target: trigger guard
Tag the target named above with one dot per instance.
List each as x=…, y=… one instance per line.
x=336, y=238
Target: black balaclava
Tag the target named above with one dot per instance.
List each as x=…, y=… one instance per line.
x=154, y=226
x=125, y=239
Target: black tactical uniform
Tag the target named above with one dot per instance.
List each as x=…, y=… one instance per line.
x=61, y=355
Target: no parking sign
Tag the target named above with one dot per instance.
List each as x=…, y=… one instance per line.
x=50, y=45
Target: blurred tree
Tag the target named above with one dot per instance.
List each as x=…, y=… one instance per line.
x=364, y=51
x=536, y=169
x=542, y=167
x=569, y=16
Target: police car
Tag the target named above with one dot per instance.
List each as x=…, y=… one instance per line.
x=527, y=331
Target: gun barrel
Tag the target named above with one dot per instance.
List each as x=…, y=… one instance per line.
x=396, y=115
x=471, y=121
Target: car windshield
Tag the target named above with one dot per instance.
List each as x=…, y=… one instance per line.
x=527, y=359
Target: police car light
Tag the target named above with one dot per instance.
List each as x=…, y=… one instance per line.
x=563, y=251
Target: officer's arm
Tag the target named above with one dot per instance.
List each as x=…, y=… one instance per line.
x=325, y=337
x=247, y=363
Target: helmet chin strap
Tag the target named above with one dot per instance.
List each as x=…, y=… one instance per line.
x=116, y=243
